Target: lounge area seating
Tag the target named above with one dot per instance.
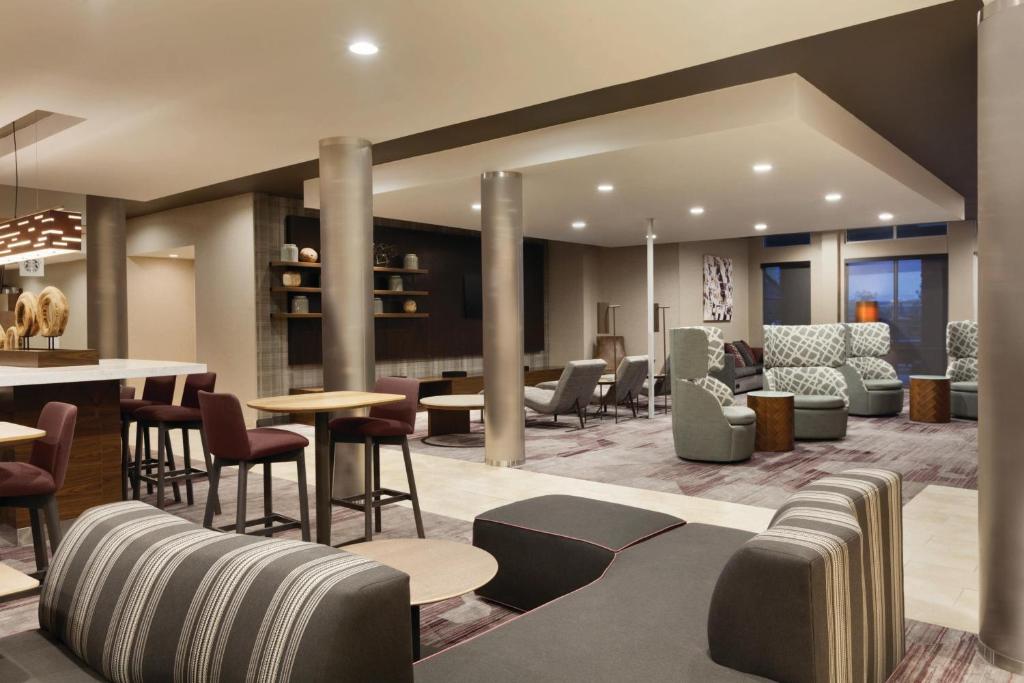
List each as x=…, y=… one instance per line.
x=572, y=392
x=706, y=425
x=873, y=386
x=742, y=369
x=629, y=380
x=804, y=360
x=817, y=597
x=962, y=349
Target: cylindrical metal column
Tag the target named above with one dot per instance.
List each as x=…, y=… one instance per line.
x=1000, y=321
x=346, y=281
x=106, y=281
x=501, y=243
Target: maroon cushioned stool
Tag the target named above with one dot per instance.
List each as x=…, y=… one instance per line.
x=157, y=391
x=34, y=484
x=185, y=417
x=231, y=444
x=387, y=424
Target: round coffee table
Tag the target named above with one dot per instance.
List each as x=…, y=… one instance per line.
x=775, y=416
x=449, y=414
x=437, y=570
x=929, y=398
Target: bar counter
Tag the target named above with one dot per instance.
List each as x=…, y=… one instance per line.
x=94, y=470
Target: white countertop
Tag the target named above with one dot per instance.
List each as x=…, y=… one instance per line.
x=108, y=369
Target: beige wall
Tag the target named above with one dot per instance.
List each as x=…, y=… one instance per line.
x=225, y=285
x=69, y=277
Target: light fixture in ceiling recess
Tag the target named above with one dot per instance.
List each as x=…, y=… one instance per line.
x=173, y=255
x=579, y=225
x=605, y=187
x=833, y=197
x=763, y=167
x=760, y=227
x=696, y=210
x=475, y=207
x=885, y=216
x=363, y=48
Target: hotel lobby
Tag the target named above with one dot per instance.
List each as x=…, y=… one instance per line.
x=439, y=342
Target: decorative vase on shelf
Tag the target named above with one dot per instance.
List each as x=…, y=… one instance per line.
x=289, y=252
x=378, y=306
x=395, y=283
x=411, y=262
x=308, y=255
x=300, y=304
x=409, y=306
x=291, y=278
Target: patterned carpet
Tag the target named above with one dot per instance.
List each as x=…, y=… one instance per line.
x=639, y=453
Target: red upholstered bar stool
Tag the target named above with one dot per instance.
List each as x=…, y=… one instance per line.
x=157, y=390
x=34, y=484
x=185, y=417
x=231, y=444
x=387, y=424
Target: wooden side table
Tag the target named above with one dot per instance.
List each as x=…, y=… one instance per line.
x=775, y=418
x=929, y=398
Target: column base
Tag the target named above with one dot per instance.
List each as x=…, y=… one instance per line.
x=997, y=659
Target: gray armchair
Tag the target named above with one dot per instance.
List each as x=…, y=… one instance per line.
x=962, y=349
x=629, y=381
x=706, y=426
x=804, y=360
x=570, y=394
x=872, y=382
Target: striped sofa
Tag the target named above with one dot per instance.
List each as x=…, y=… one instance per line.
x=136, y=594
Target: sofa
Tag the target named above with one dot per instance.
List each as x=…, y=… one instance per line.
x=134, y=593
x=742, y=369
x=615, y=593
x=962, y=349
x=874, y=388
x=707, y=426
x=804, y=360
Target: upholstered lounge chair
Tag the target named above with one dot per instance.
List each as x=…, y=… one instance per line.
x=570, y=394
x=663, y=386
x=872, y=382
x=962, y=349
x=706, y=425
x=804, y=360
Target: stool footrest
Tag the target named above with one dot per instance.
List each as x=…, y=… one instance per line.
x=278, y=523
x=181, y=474
x=381, y=497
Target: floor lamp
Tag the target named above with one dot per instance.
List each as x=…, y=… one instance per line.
x=615, y=345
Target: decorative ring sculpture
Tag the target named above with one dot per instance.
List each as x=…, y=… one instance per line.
x=13, y=340
x=26, y=315
x=52, y=316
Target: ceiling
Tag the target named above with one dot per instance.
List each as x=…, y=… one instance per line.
x=665, y=158
x=180, y=95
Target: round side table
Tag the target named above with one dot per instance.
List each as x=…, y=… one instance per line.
x=775, y=417
x=929, y=398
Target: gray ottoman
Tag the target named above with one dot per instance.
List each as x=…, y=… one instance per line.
x=963, y=400
x=819, y=417
x=552, y=545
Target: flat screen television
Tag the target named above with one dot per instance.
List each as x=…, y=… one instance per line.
x=472, y=297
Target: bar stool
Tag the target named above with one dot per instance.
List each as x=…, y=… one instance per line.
x=386, y=424
x=185, y=417
x=231, y=444
x=34, y=484
x=157, y=390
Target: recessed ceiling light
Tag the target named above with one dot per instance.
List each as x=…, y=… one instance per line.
x=760, y=227
x=605, y=187
x=696, y=210
x=476, y=206
x=762, y=168
x=833, y=197
x=363, y=47
x=579, y=225
x=885, y=216
x=173, y=255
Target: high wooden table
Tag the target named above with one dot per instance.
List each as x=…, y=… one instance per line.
x=321, y=406
x=929, y=398
x=14, y=434
x=437, y=570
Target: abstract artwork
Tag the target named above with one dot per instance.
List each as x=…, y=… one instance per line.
x=717, y=289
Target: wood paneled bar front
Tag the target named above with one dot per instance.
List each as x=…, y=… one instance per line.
x=94, y=471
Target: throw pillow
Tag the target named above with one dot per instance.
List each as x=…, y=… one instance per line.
x=747, y=353
x=730, y=349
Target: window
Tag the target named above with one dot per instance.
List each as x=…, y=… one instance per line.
x=869, y=234
x=786, y=293
x=920, y=230
x=909, y=293
x=793, y=239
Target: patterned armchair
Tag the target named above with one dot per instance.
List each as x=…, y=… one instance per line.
x=804, y=360
x=962, y=349
x=706, y=425
x=873, y=385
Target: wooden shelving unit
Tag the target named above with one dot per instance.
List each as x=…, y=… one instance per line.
x=297, y=290
x=294, y=264
x=408, y=292
x=297, y=316
x=400, y=271
x=401, y=315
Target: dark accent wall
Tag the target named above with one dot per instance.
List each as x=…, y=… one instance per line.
x=450, y=254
